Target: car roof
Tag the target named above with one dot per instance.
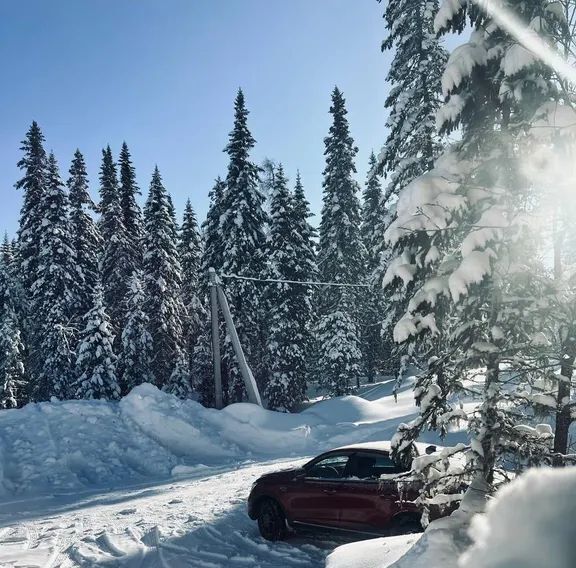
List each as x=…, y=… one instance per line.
x=382, y=446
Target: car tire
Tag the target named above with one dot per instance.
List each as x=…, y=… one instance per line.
x=406, y=524
x=271, y=521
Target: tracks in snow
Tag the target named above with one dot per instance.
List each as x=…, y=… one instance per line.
x=197, y=523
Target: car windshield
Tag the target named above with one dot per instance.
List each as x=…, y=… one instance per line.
x=330, y=467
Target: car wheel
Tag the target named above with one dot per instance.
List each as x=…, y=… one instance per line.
x=271, y=521
x=406, y=524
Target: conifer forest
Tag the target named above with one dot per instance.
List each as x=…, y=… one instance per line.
x=428, y=304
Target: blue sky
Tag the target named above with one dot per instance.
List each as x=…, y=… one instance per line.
x=162, y=75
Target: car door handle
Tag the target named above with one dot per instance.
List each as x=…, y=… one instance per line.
x=329, y=491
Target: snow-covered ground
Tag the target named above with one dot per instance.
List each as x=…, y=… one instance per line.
x=154, y=481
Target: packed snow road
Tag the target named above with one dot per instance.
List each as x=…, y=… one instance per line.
x=199, y=522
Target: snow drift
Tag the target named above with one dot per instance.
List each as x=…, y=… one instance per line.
x=65, y=446
x=530, y=524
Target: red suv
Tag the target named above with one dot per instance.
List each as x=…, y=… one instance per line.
x=352, y=488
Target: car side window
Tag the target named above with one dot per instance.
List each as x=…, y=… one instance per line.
x=331, y=467
x=370, y=466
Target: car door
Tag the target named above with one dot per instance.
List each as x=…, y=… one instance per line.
x=368, y=495
x=314, y=497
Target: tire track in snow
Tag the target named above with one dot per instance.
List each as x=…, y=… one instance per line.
x=201, y=523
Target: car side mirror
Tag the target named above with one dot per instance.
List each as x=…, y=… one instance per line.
x=299, y=475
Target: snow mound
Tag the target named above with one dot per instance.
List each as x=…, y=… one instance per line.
x=529, y=524
x=56, y=447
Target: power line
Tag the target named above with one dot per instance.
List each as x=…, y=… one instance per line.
x=300, y=282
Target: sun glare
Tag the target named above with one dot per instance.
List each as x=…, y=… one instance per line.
x=528, y=39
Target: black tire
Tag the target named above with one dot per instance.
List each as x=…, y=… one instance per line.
x=271, y=521
x=406, y=524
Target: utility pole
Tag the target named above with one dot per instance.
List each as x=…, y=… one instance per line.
x=215, y=339
x=249, y=381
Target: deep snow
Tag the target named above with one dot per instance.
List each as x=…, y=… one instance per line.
x=155, y=481
x=67, y=446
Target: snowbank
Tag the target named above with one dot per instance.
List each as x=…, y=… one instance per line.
x=66, y=446
x=530, y=524
x=441, y=545
x=375, y=553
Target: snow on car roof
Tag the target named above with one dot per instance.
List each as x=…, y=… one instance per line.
x=382, y=446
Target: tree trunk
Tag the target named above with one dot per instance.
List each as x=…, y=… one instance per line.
x=563, y=414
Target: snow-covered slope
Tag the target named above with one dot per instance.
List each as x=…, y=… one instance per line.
x=67, y=446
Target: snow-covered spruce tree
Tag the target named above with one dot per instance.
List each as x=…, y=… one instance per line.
x=85, y=235
x=211, y=232
x=12, y=375
x=268, y=172
x=415, y=73
x=288, y=258
x=179, y=384
x=95, y=362
x=339, y=355
x=190, y=253
x=376, y=348
x=131, y=215
x=242, y=234
x=202, y=369
x=305, y=270
x=413, y=142
x=134, y=365
x=462, y=228
x=33, y=184
x=113, y=234
x=52, y=293
x=7, y=251
x=13, y=387
x=341, y=257
x=162, y=281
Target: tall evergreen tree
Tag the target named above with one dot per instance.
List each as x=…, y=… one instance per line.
x=460, y=232
x=342, y=254
x=190, y=253
x=13, y=387
x=305, y=270
x=339, y=355
x=374, y=346
x=371, y=215
x=131, y=214
x=212, y=236
x=413, y=141
x=135, y=360
x=289, y=257
x=85, y=234
x=242, y=233
x=415, y=75
x=162, y=280
x=95, y=363
x=7, y=251
x=113, y=233
x=52, y=292
x=33, y=184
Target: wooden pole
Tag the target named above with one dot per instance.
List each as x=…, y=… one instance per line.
x=215, y=339
x=251, y=386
